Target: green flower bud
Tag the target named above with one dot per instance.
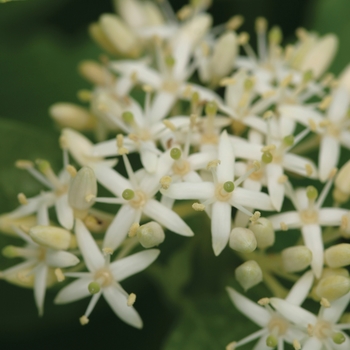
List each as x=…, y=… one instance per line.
x=242, y=240
x=264, y=232
x=338, y=255
x=249, y=274
x=150, y=234
x=296, y=258
x=51, y=237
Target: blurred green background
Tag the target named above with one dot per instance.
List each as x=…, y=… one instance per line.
x=41, y=44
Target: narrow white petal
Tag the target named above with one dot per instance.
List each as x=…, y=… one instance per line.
x=344, y=138
x=300, y=114
x=120, y=226
x=118, y=302
x=220, y=225
x=301, y=289
x=166, y=217
x=32, y=206
x=339, y=105
x=200, y=160
x=105, y=148
x=133, y=264
x=205, y=94
x=111, y=179
x=312, y=344
x=331, y=216
x=276, y=189
x=89, y=250
x=290, y=218
x=192, y=176
x=253, y=311
x=74, y=291
x=184, y=190
x=40, y=287
x=248, y=198
x=149, y=159
x=255, y=122
x=296, y=164
x=261, y=344
x=328, y=157
x=247, y=150
x=293, y=313
x=64, y=212
x=225, y=170
x=312, y=236
x=162, y=103
x=333, y=313
x=61, y=258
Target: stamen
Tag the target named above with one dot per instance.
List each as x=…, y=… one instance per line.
x=326, y=188
x=235, y=22
x=169, y=125
x=231, y=346
x=129, y=170
x=83, y=320
x=29, y=166
x=131, y=299
x=59, y=275
x=107, y=251
x=282, y=179
x=296, y=344
x=283, y=226
x=45, y=167
x=325, y=303
x=255, y=217
x=120, y=145
x=256, y=167
x=24, y=164
x=227, y=81
x=165, y=182
x=325, y=103
x=198, y=206
x=148, y=90
x=264, y=301
x=261, y=27
x=22, y=199
x=212, y=167
x=312, y=125
x=72, y=171
x=308, y=169
x=243, y=40
x=133, y=229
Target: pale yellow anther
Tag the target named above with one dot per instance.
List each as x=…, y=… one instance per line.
x=308, y=169
x=198, y=207
x=184, y=12
x=344, y=222
x=133, y=229
x=234, y=22
x=268, y=148
x=84, y=95
x=205, y=49
x=120, y=144
x=72, y=171
x=107, y=251
x=255, y=216
x=24, y=228
x=283, y=226
x=324, y=104
x=59, y=275
x=312, y=125
x=227, y=81
x=22, y=199
x=287, y=80
x=131, y=299
x=134, y=77
x=147, y=88
x=63, y=142
x=325, y=303
x=24, y=164
x=261, y=25
x=282, y=179
x=231, y=346
x=256, y=165
x=325, y=123
x=296, y=344
x=213, y=164
x=301, y=33
x=89, y=198
x=310, y=330
x=165, y=182
x=264, y=301
x=332, y=173
x=169, y=125
x=133, y=137
x=269, y=94
x=83, y=320
x=268, y=115
x=243, y=38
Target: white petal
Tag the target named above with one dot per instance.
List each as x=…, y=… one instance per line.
x=161, y=106
x=261, y=344
x=200, y=160
x=32, y=206
x=74, y=291
x=133, y=264
x=312, y=344
x=60, y=258
x=220, y=225
x=40, y=287
x=276, y=189
x=184, y=190
x=331, y=216
x=328, y=157
x=257, y=123
x=296, y=164
x=247, y=198
x=120, y=226
x=293, y=313
x=247, y=150
x=118, y=302
x=301, y=289
x=339, y=105
x=253, y=311
x=192, y=176
x=205, y=94
x=333, y=313
x=300, y=114
x=312, y=236
x=90, y=251
x=290, y=218
x=166, y=217
x=149, y=159
x=344, y=138
x=64, y=212
x=225, y=170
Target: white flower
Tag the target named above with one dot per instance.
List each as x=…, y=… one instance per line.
x=103, y=278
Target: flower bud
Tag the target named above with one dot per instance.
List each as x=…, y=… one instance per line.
x=150, y=234
x=338, y=255
x=94, y=72
x=296, y=258
x=97, y=34
x=7, y=223
x=242, y=240
x=264, y=233
x=72, y=116
x=51, y=237
x=82, y=190
x=342, y=182
x=248, y=274
x=332, y=287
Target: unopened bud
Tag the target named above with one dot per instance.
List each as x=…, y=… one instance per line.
x=51, y=237
x=94, y=72
x=333, y=287
x=249, y=274
x=264, y=233
x=242, y=240
x=338, y=255
x=342, y=182
x=275, y=35
x=296, y=258
x=81, y=188
x=150, y=234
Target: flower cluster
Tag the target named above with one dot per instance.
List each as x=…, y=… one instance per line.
x=229, y=129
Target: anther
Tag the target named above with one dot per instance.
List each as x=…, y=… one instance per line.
x=59, y=275
x=227, y=81
x=308, y=169
x=165, y=182
x=296, y=344
x=283, y=226
x=255, y=216
x=325, y=103
x=169, y=125
x=84, y=95
x=261, y=25
x=131, y=299
x=133, y=229
x=268, y=115
x=107, y=251
x=72, y=171
x=282, y=179
x=213, y=164
x=325, y=303
x=235, y=22
x=83, y=320
x=231, y=346
x=198, y=207
x=243, y=38
x=275, y=35
x=120, y=144
x=24, y=164
x=90, y=197
x=312, y=125
x=147, y=88
x=264, y=301
x=22, y=199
